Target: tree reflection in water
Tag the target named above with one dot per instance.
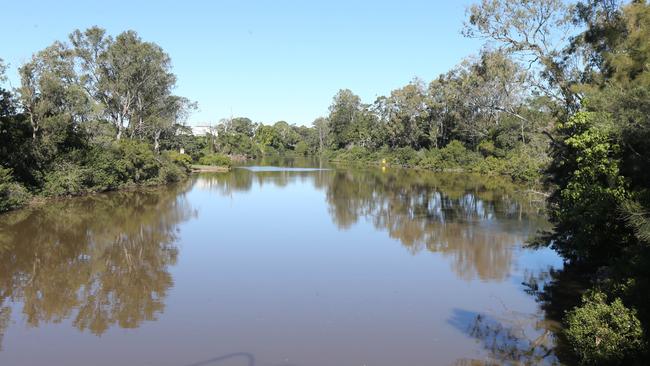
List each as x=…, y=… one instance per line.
x=100, y=260
x=103, y=260
x=475, y=220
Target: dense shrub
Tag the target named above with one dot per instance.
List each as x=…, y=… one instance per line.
x=352, y=154
x=12, y=194
x=301, y=148
x=404, y=156
x=98, y=169
x=521, y=166
x=216, y=160
x=486, y=148
x=66, y=179
x=455, y=155
x=102, y=168
x=137, y=161
x=491, y=166
x=170, y=172
x=602, y=333
x=237, y=144
x=182, y=160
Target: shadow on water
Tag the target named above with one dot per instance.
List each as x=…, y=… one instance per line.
x=247, y=357
x=533, y=339
x=512, y=339
x=558, y=291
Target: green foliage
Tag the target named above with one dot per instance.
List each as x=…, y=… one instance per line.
x=170, y=172
x=486, y=148
x=194, y=146
x=455, y=155
x=12, y=194
x=589, y=187
x=343, y=113
x=216, y=160
x=301, y=148
x=354, y=154
x=268, y=137
x=65, y=180
x=604, y=333
x=404, y=156
x=182, y=160
x=519, y=165
x=137, y=162
x=126, y=163
x=523, y=166
x=237, y=144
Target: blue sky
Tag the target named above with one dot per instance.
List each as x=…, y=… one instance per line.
x=267, y=60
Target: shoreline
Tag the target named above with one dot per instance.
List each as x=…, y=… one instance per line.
x=39, y=200
x=210, y=169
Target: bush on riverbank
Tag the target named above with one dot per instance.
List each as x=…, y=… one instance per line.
x=12, y=194
x=216, y=160
x=94, y=169
x=123, y=164
x=182, y=160
x=520, y=165
x=604, y=333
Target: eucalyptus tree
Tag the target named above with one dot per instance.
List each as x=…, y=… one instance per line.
x=6, y=99
x=137, y=75
x=126, y=77
x=343, y=112
x=50, y=89
x=473, y=99
x=288, y=136
x=166, y=118
x=321, y=125
x=3, y=70
x=496, y=86
x=536, y=32
x=241, y=125
x=405, y=116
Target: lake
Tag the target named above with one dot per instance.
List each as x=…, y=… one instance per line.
x=264, y=265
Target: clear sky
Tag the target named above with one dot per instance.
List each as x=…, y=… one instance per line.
x=267, y=60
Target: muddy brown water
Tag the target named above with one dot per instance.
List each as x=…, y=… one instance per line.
x=273, y=266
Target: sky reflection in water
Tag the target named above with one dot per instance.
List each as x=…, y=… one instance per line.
x=268, y=265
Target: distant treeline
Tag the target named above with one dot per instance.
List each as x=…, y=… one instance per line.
x=480, y=116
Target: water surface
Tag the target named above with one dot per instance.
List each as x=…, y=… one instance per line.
x=272, y=266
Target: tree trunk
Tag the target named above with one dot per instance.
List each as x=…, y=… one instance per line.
x=156, y=141
x=33, y=123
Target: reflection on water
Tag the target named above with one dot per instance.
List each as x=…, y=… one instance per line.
x=100, y=260
x=478, y=222
x=104, y=261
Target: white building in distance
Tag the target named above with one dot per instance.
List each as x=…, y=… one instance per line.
x=203, y=130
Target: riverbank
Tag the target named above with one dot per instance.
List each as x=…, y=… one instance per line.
x=31, y=200
x=210, y=169
x=126, y=164
x=521, y=166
